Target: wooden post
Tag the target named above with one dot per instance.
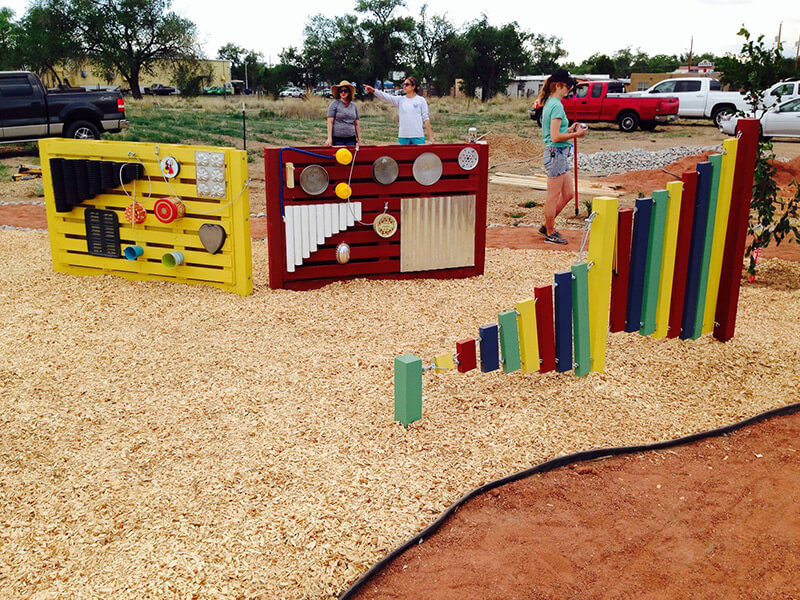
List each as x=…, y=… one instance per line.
x=601, y=259
x=655, y=252
x=675, y=190
x=696, y=249
x=509, y=340
x=708, y=244
x=563, y=320
x=528, y=337
x=641, y=235
x=544, y=328
x=684, y=241
x=620, y=274
x=407, y=389
x=580, y=318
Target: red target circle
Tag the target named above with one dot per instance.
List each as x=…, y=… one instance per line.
x=165, y=210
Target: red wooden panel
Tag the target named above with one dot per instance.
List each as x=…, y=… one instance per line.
x=735, y=238
x=545, y=328
x=374, y=197
x=312, y=284
x=466, y=354
x=685, y=221
x=622, y=263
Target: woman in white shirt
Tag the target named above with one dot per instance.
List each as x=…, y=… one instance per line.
x=412, y=110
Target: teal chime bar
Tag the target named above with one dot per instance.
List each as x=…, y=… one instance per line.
x=509, y=341
x=407, y=389
x=580, y=319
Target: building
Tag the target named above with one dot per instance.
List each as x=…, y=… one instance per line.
x=215, y=72
x=528, y=86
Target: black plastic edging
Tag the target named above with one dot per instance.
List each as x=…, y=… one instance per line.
x=556, y=463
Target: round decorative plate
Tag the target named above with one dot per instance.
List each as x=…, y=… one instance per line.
x=314, y=180
x=385, y=225
x=385, y=170
x=468, y=158
x=427, y=168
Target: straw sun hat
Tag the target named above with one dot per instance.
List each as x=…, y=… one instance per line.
x=343, y=83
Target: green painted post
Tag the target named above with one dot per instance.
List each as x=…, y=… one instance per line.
x=652, y=271
x=407, y=389
x=580, y=319
x=716, y=169
x=509, y=341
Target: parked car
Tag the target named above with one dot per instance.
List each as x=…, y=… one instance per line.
x=780, y=120
x=292, y=92
x=324, y=92
x=158, y=89
x=29, y=111
x=700, y=97
x=606, y=101
x=789, y=89
x=217, y=90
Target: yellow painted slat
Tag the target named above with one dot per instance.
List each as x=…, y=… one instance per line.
x=528, y=335
x=444, y=362
x=158, y=234
x=198, y=256
x=601, y=259
x=729, y=148
x=68, y=261
x=675, y=190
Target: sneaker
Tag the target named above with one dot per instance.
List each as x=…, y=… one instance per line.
x=555, y=238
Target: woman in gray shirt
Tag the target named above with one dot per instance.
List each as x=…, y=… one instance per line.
x=343, y=126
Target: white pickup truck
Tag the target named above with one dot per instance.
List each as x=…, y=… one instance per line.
x=699, y=97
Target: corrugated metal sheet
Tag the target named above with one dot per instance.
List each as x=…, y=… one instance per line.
x=437, y=233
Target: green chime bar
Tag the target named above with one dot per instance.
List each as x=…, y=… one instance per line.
x=509, y=341
x=407, y=389
x=580, y=319
x=652, y=273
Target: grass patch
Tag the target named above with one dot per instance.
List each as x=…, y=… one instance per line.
x=5, y=172
x=530, y=204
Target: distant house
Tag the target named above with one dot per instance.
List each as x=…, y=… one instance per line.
x=528, y=86
x=217, y=72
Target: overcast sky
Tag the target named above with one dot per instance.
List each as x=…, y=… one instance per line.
x=585, y=26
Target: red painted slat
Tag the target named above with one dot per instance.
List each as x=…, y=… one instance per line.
x=736, y=235
x=467, y=355
x=622, y=263
x=685, y=220
x=545, y=328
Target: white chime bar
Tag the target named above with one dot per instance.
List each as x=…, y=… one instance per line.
x=308, y=225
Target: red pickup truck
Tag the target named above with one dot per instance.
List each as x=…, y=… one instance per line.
x=595, y=101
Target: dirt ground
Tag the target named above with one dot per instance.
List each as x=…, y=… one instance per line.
x=711, y=519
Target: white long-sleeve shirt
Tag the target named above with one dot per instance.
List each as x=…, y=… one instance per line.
x=413, y=112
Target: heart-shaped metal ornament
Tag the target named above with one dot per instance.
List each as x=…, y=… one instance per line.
x=212, y=237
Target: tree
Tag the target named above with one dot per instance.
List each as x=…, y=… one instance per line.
x=546, y=53
x=245, y=64
x=8, y=39
x=385, y=34
x=428, y=42
x=45, y=39
x=493, y=56
x=753, y=70
x=130, y=36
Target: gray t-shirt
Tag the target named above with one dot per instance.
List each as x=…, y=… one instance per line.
x=344, y=118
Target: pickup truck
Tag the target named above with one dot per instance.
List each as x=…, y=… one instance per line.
x=700, y=97
x=29, y=111
x=158, y=89
x=597, y=101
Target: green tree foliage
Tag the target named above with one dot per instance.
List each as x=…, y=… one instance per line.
x=753, y=70
x=8, y=39
x=546, y=53
x=429, y=43
x=385, y=33
x=246, y=65
x=129, y=36
x=493, y=56
x=333, y=49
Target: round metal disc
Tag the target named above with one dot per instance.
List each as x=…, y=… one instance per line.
x=427, y=168
x=314, y=180
x=468, y=158
x=385, y=170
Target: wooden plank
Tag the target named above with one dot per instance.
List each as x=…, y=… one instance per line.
x=580, y=319
x=528, y=336
x=407, y=389
x=563, y=320
x=736, y=234
x=601, y=257
x=466, y=353
x=509, y=340
x=683, y=245
x=675, y=190
x=708, y=245
x=695, y=266
x=488, y=339
x=621, y=272
x=538, y=182
x=544, y=328
x=655, y=252
x=639, y=243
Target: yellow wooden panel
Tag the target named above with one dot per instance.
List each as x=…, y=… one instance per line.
x=601, y=259
x=675, y=189
x=230, y=269
x=443, y=362
x=528, y=335
x=729, y=148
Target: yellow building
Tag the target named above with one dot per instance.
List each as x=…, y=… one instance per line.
x=215, y=72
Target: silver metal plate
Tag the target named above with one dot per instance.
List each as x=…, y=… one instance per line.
x=314, y=180
x=468, y=158
x=385, y=170
x=427, y=168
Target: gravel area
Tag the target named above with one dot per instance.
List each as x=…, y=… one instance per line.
x=172, y=441
x=637, y=159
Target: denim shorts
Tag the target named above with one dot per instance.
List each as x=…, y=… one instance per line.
x=557, y=160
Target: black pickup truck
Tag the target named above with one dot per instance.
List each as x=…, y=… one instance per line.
x=29, y=111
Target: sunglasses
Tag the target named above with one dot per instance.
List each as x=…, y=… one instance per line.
x=407, y=84
x=344, y=91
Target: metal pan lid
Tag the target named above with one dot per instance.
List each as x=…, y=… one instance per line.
x=427, y=168
x=314, y=180
x=385, y=170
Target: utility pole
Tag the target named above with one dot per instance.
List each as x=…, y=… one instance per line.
x=797, y=52
x=780, y=26
x=691, y=47
x=245, y=75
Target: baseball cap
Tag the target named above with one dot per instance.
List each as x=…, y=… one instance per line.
x=562, y=76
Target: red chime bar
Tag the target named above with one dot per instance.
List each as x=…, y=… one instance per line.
x=685, y=220
x=735, y=238
x=466, y=354
x=545, y=328
x=622, y=263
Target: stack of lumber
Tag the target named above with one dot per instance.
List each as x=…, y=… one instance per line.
x=539, y=182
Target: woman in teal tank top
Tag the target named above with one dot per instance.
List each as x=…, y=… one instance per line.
x=556, y=133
